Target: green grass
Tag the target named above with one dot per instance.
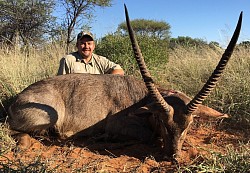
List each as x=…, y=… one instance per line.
x=235, y=160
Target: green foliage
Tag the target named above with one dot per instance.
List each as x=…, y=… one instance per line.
x=187, y=42
x=245, y=44
x=153, y=28
x=25, y=22
x=214, y=43
x=118, y=48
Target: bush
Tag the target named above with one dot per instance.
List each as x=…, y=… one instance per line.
x=187, y=42
x=118, y=48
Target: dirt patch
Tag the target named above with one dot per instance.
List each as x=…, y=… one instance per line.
x=129, y=156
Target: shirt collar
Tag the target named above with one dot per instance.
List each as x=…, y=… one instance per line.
x=80, y=59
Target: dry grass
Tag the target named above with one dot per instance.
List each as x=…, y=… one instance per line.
x=20, y=69
x=189, y=69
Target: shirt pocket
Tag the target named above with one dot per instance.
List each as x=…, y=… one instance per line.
x=77, y=68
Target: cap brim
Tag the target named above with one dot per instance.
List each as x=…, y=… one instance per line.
x=81, y=35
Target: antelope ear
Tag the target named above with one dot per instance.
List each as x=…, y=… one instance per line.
x=205, y=112
x=149, y=108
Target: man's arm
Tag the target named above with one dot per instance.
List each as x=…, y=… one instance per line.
x=108, y=67
x=63, y=69
x=118, y=71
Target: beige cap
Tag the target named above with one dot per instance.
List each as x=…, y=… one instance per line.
x=83, y=34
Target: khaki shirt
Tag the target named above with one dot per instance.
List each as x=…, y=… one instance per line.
x=73, y=63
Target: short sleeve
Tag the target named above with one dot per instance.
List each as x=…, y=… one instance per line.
x=62, y=67
x=66, y=64
x=105, y=64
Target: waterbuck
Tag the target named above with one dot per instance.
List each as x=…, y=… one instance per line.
x=86, y=104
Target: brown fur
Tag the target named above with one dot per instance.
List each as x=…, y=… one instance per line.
x=84, y=105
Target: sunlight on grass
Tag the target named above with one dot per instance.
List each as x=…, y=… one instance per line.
x=23, y=68
x=189, y=69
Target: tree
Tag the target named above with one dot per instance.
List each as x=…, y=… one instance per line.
x=76, y=10
x=245, y=44
x=186, y=42
x=159, y=29
x=214, y=45
x=24, y=22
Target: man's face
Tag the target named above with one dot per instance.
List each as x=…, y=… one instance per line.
x=86, y=46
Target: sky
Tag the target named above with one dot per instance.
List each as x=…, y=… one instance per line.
x=210, y=20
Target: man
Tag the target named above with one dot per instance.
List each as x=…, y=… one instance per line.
x=85, y=61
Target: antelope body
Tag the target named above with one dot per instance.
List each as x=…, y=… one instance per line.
x=85, y=104
x=74, y=103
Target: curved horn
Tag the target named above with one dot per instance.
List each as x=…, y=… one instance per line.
x=144, y=71
x=210, y=84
